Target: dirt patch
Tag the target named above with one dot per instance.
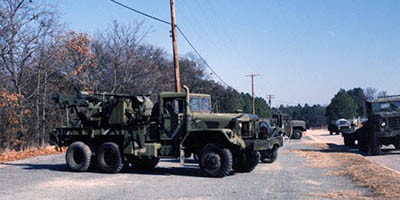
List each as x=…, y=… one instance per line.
x=382, y=182
x=87, y=183
x=319, y=159
x=18, y=155
x=346, y=194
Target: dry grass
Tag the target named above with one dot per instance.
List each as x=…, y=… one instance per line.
x=18, y=155
x=383, y=182
x=344, y=194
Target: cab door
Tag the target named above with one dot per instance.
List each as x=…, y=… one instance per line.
x=173, y=112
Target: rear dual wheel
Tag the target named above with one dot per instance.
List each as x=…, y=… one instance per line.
x=109, y=158
x=78, y=157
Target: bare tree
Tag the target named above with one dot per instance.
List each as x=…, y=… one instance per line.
x=23, y=25
x=370, y=93
x=382, y=94
x=125, y=63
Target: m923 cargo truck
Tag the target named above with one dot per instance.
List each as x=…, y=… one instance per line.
x=110, y=130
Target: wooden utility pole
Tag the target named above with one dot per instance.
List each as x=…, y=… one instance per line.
x=252, y=90
x=175, y=48
x=270, y=97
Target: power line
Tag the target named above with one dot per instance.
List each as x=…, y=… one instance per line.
x=180, y=31
x=140, y=12
x=201, y=57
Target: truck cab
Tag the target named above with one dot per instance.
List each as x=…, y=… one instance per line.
x=383, y=125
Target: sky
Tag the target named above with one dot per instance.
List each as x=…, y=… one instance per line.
x=304, y=51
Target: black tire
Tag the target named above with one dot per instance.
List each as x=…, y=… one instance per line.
x=215, y=161
x=363, y=145
x=196, y=157
x=397, y=145
x=269, y=156
x=330, y=133
x=297, y=134
x=144, y=163
x=78, y=157
x=109, y=158
x=375, y=148
x=246, y=161
x=349, y=142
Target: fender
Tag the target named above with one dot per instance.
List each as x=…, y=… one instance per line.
x=227, y=134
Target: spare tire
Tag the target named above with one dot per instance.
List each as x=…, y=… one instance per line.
x=78, y=157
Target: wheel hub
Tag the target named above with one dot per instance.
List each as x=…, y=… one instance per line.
x=212, y=161
x=78, y=156
x=109, y=157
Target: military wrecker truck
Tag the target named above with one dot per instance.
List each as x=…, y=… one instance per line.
x=110, y=130
x=382, y=126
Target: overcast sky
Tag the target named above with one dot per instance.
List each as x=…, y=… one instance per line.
x=304, y=51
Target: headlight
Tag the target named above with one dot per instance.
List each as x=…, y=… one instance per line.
x=383, y=124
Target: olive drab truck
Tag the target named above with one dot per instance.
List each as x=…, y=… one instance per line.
x=108, y=131
x=293, y=129
x=382, y=126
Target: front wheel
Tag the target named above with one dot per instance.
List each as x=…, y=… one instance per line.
x=78, y=157
x=246, y=161
x=269, y=156
x=109, y=158
x=375, y=148
x=397, y=145
x=215, y=160
x=297, y=134
x=349, y=142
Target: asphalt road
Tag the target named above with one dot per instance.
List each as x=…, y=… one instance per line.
x=389, y=158
x=290, y=177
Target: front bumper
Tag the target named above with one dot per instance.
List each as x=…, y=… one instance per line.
x=261, y=145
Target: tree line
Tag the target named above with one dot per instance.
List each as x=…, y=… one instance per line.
x=344, y=104
x=39, y=57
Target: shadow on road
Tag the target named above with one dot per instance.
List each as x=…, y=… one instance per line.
x=334, y=148
x=191, y=170
x=170, y=171
x=27, y=166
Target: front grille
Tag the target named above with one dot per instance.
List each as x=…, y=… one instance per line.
x=394, y=123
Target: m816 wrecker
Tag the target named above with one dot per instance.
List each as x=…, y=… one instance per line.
x=110, y=130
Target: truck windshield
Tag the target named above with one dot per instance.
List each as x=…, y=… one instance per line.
x=386, y=106
x=200, y=104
